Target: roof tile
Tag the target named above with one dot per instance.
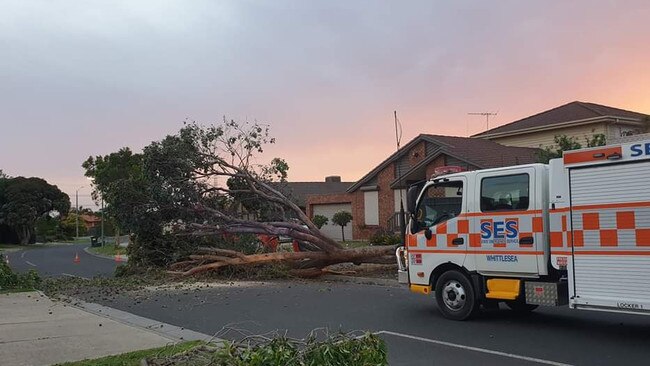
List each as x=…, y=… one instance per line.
x=573, y=111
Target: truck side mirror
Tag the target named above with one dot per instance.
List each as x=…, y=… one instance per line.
x=411, y=199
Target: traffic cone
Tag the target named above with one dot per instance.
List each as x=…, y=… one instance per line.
x=76, y=258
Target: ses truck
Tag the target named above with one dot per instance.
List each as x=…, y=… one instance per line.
x=575, y=231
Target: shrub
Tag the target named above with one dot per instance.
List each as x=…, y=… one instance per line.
x=338, y=350
x=320, y=221
x=10, y=280
x=384, y=237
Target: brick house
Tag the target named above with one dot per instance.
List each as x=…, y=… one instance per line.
x=298, y=192
x=374, y=199
x=90, y=221
x=580, y=120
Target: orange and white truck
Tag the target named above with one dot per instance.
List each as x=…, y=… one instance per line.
x=575, y=231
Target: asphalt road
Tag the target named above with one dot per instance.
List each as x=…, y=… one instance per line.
x=414, y=331
x=58, y=260
x=416, y=334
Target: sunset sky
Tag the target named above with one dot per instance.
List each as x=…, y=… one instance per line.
x=80, y=78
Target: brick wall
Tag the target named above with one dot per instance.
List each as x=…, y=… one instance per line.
x=417, y=153
x=438, y=162
x=325, y=199
x=386, y=195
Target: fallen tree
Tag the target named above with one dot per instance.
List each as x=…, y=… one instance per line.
x=204, y=182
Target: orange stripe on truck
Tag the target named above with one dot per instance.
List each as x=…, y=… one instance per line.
x=456, y=251
x=611, y=252
x=591, y=155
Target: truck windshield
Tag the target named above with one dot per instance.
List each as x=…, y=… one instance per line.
x=439, y=203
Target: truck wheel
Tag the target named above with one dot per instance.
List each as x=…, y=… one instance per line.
x=455, y=296
x=520, y=307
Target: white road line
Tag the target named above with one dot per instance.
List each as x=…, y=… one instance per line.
x=22, y=255
x=475, y=349
x=71, y=275
x=31, y=264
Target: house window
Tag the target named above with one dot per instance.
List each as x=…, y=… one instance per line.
x=505, y=193
x=371, y=207
x=400, y=195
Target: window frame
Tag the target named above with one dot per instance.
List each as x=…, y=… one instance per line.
x=463, y=184
x=480, y=203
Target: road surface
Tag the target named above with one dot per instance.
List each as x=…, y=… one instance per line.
x=414, y=331
x=58, y=260
x=416, y=334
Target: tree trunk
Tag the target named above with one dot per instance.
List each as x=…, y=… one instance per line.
x=342, y=233
x=301, y=261
x=24, y=234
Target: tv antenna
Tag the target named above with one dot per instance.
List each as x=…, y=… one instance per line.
x=487, y=117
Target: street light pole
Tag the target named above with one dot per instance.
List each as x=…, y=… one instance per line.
x=76, y=194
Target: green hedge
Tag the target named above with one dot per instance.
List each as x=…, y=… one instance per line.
x=274, y=350
x=10, y=280
x=339, y=350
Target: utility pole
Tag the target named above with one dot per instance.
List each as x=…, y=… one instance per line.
x=102, y=221
x=402, y=214
x=76, y=194
x=487, y=117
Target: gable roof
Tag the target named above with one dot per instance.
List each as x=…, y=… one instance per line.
x=480, y=153
x=574, y=111
x=298, y=191
x=485, y=153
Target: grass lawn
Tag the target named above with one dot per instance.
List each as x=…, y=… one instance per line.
x=11, y=247
x=107, y=249
x=354, y=243
x=133, y=358
x=79, y=240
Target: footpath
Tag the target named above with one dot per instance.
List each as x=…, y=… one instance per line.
x=35, y=330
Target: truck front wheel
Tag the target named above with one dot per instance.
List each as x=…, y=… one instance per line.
x=455, y=296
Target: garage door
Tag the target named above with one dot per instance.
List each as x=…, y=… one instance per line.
x=331, y=230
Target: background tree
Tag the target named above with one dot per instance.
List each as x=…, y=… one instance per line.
x=320, y=221
x=342, y=219
x=69, y=224
x=24, y=200
x=54, y=227
x=566, y=143
x=119, y=180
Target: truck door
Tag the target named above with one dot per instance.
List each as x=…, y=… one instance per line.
x=507, y=224
x=440, y=230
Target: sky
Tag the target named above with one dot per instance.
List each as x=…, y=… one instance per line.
x=81, y=78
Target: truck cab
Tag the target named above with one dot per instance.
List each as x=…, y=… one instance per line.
x=575, y=231
x=474, y=235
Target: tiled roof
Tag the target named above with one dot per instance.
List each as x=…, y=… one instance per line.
x=573, y=111
x=90, y=218
x=477, y=152
x=484, y=153
x=298, y=191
